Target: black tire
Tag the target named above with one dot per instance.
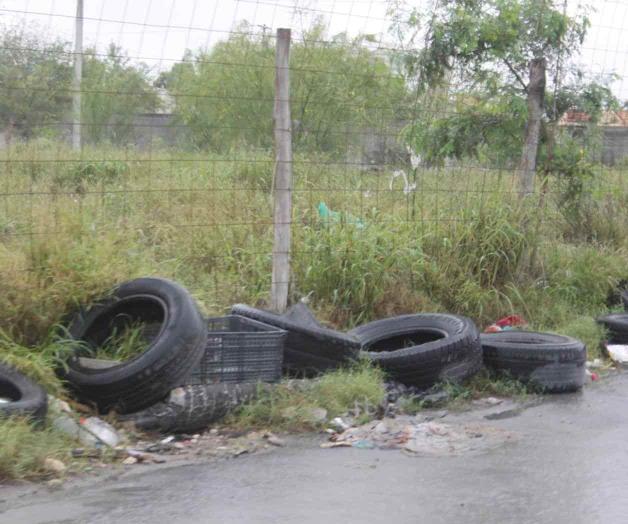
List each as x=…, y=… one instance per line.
x=553, y=363
x=25, y=398
x=617, y=326
x=421, y=350
x=308, y=348
x=177, y=345
x=192, y=408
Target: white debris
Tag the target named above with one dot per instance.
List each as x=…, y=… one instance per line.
x=618, y=353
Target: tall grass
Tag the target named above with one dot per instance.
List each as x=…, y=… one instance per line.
x=72, y=226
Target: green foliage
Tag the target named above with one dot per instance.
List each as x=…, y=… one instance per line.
x=588, y=331
x=490, y=44
x=467, y=129
x=226, y=95
x=114, y=91
x=37, y=362
x=482, y=36
x=24, y=450
x=34, y=75
x=291, y=406
x=123, y=345
x=81, y=175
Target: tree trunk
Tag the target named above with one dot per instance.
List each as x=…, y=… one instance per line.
x=536, y=95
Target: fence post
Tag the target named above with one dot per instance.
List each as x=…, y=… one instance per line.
x=78, y=74
x=282, y=215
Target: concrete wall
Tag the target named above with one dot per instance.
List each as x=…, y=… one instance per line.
x=615, y=148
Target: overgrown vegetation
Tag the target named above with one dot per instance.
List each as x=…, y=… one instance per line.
x=24, y=450
x=359, y=390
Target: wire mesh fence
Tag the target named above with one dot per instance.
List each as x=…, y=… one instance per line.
x=412, y=128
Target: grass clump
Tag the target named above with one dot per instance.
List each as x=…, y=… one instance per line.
x=39, y=362
x=24, y=450
x=290, y=407
x=124, y=344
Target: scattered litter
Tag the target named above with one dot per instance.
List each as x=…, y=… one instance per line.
x=618, y=353
x=340, y=424
x=104, y=432
x=329, y=216
x=421, y=438
x=593, y=376
x=595, y=364
x=129, y=461
x=506, y=324
x=407, y=186
x=167, y=440
x=363, y=444
x=67, y=425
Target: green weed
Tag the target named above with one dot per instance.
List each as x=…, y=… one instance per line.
x=293, y=408
x=24, y=449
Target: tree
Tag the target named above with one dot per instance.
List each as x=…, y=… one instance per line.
x=34, y=81
x=114, y=91
x=501, y=50
x=226, y=95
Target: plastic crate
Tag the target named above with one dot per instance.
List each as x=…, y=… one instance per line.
x=239, y=349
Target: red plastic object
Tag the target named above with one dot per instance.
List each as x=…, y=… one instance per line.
x=512, y=320
x=493, y=329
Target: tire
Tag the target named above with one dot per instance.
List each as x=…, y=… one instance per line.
x=554, y=363
x=177, y=345
x=309, y=348
x=192, y=408
x=617, y=325
x=26, y=399
x=438, y=348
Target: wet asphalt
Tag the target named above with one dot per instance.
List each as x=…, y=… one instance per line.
x=568, y=464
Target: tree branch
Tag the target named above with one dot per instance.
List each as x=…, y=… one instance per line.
x=517, y=75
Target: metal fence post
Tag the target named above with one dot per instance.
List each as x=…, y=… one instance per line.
x=282, y=218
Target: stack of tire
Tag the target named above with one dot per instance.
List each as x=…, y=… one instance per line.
x=146, y=389
x=418, y=350
x=424, y=349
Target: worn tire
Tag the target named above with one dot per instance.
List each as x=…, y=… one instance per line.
x=308, y=348
x=438, y=347
x=554, y=363
x=27, y=399
x=176, y=348
x=617, y=326
x=192, y=408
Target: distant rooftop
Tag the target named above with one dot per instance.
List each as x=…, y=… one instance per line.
x=608, y=119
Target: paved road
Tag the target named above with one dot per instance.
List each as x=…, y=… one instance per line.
x=569, y=464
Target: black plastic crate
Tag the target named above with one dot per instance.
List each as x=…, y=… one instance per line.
x=239, y=349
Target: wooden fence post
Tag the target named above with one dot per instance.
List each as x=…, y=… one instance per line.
x=282, y=216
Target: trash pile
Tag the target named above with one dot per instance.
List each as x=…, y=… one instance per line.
x=146, y=354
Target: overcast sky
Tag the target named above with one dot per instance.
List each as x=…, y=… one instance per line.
x=158, y=31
